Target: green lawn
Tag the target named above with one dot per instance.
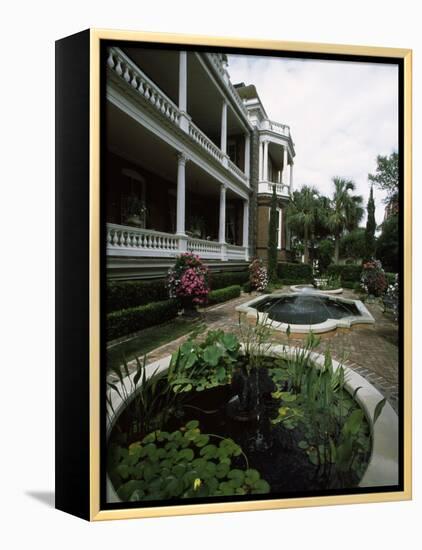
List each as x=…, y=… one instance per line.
x=150, y=339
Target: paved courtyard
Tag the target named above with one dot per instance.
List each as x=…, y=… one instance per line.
x=371, y=350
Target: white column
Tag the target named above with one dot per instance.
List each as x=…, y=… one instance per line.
x=246, y=223
x=222, y=224
x=291, y=177
x=265, y=174
x=285, y=165
x=223, y=145
x=183, y=90
x=260, y=161
x=183, y=80
x=181, y=194
x=247, y=155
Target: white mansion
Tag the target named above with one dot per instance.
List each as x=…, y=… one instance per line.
x=190, y=163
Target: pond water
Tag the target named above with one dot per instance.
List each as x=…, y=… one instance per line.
x=271, y=449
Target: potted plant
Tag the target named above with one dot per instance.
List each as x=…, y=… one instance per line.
x=136, y=211
x=188, y=281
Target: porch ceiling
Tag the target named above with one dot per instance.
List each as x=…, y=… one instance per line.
x=129, y=139
x=203, y=98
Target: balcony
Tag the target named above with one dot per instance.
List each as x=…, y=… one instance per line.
x=276, y=127
x=266, y=187
x=156, y=101
x=131, y=241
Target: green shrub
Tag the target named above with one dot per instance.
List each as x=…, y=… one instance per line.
x=349, y=274
x=391, y=278
x=223, y=294
x=229, y=278
x=247, y=287
x=294, y=273
x=127, y=321
x=130, y=294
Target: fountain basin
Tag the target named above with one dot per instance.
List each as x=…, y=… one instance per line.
x=302, y=312
x=310, y=288
x=382, y=468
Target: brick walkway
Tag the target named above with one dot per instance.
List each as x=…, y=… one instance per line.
x=372, y=351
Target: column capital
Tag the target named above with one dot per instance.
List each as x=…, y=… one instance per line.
x=182, y=158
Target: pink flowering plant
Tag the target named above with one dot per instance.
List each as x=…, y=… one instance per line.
x=188, y=280
x=258, y=275
x=373, y=279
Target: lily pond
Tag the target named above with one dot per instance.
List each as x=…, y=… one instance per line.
x=227, y=419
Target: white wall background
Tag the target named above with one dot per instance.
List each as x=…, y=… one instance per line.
x=27, y=271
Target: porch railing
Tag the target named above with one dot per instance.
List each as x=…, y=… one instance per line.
x=237, y=171
x=134, y=77
x=276, y=127
x=123, y=240
x=216, y=62
x=128, y=71
x=281, y=189
x=199, y=137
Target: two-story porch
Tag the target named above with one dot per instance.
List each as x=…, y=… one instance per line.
x=169, y=186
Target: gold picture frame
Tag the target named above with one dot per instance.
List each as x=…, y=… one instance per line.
x=91, y=507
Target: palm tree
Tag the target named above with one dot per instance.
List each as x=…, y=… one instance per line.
x=302, y=215
x=345, y=211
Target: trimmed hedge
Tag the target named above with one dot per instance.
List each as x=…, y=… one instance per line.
x=294, y=273
x=349, y=274
x=223, y=294
x=130, y=294
x=226, y=279
x=127, y=321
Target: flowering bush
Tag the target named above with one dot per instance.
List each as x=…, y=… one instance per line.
x=373, y=279
x=258, y=275
x=188, y=279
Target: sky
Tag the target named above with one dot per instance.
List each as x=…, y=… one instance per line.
x=341, y=115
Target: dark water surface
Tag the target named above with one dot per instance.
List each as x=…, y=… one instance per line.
x=305, y=309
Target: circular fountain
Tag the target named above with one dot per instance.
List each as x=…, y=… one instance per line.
x=304, y=311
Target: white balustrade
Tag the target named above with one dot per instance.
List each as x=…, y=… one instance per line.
x=216, y=62
x=237, y=172
x=204, y=249
x=235, y=252
x=266, y=187
x=276, y=127
x=197, y=135
x=123, y=240
x=119, y=63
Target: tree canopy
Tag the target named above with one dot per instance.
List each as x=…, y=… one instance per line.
x=352, y=244
x=302, y=214
x=371, y=226
x=386, y=176
x=345, y=211
x=388, y=245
